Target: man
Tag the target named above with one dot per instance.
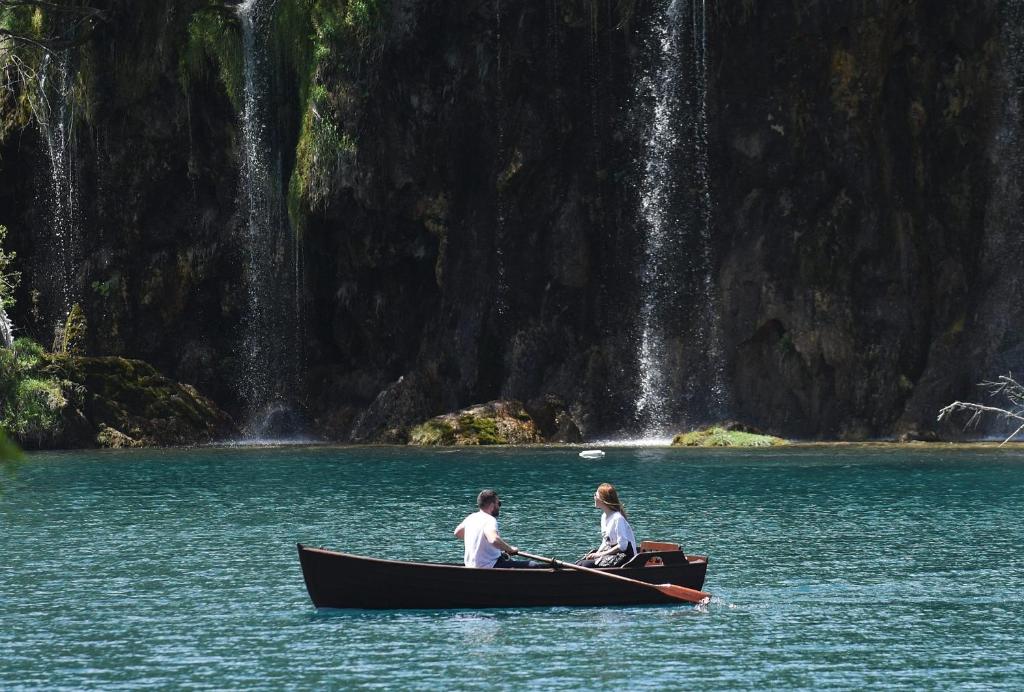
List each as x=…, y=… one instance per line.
x=484, y=546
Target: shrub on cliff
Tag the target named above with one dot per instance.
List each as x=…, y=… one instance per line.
x=31, y=402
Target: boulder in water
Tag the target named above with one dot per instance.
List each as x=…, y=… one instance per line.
x=726, y=435
x=493, y=423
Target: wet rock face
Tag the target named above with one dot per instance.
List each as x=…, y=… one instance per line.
x=851, y=175
x=476, y=250
x=478, y=239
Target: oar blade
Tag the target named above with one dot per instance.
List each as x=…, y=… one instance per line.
x=683, y=593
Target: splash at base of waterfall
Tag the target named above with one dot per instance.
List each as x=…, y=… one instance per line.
x=648, y=441
x=278, y=423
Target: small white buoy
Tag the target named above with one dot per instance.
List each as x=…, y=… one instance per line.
x=591, y=454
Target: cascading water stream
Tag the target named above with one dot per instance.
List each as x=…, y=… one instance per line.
x=54, y=112
x=677, y=283
x=271, y=346
x=708, y=328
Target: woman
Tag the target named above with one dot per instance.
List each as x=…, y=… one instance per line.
x=618, y=543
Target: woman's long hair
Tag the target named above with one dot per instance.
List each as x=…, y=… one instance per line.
x=608, y=495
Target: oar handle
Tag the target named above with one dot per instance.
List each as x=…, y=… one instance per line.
x=682, y=593
x=539, y=558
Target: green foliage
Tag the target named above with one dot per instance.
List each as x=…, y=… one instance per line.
x=105, y=288
x=308, y=38
x=21, y=20
x=213, y=42
x=31, y=400
x=9, y=279
x=70, y=337
x=321, y=150
x=364, y=20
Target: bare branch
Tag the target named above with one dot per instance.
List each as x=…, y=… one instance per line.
x=1004, y=386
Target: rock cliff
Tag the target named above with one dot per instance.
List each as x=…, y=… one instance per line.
x=462, y=179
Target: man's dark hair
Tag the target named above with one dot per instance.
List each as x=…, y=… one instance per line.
x=485, y=498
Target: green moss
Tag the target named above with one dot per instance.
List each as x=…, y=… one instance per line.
x=720, y=437
x=432, y=433
x=322, y=149
x=324, y=45
x=115, y=439
x=479, y=430
x=213, y=42
x=71, y=335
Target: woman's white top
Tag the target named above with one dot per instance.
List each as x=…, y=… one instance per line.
x=615, y=530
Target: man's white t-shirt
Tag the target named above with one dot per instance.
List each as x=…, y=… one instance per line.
x=479, y=553
x=615, y=530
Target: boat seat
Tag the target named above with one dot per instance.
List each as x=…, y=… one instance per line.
x=658, y=546
x=655, y=558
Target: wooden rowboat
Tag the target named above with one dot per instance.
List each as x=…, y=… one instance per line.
x=342, y=580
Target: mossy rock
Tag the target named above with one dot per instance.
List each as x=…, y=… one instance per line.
x=108, y=402
x=115, y=439
x=717, y=436
x=435, y=432
x=493, y=423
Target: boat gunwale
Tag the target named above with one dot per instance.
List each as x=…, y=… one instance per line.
x=691, y=559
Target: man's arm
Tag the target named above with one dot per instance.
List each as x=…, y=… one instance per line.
x=460, y=531
x=494, y=539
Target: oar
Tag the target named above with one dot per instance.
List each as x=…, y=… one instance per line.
x=681, y=593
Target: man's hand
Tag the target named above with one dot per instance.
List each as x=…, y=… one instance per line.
x=512, y=550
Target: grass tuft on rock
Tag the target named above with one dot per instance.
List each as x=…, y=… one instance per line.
x=717, y=436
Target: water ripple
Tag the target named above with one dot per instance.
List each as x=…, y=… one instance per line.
x=830, y=568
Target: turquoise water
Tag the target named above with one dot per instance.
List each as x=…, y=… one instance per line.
x=831, y=567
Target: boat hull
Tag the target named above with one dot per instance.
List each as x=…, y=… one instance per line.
x=341, y=580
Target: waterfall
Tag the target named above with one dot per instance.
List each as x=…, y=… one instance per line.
x=6, y=329
x=270, y=353
x=54, y=112
x=681, y=371
x=501, y=201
